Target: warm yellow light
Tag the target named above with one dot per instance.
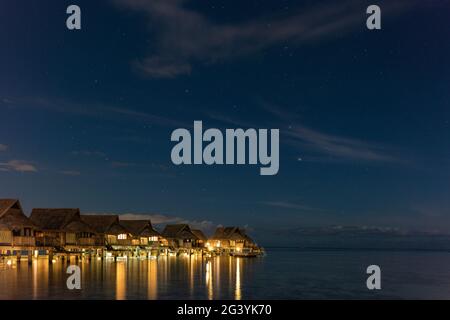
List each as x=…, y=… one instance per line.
x=122, y=236
x=9, y=262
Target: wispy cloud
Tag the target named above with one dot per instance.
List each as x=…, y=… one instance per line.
x=339, y=147
x=93, y=110
x=3, y=147
x=18, y=165
x=185, y=36
x=151, y=118
x=324, y=146
x=290, y=205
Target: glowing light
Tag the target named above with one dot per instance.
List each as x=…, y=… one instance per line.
x=208, y=279
x=237, y=293
x=121, y=281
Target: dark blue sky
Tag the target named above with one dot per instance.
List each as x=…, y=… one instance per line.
x=86, y=116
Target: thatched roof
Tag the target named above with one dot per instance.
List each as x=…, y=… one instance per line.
x=230, y=233
x=107, y=224
x=6, y=204
x=199, y=234
x=12, y=216
x=178, y=231
x=140, y=228
x=79, y=226
x=68, y=220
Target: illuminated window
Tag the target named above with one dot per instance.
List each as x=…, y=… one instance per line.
x=154, y=238
x=122, y=236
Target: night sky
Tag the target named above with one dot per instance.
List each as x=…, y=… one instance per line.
x=364, y=116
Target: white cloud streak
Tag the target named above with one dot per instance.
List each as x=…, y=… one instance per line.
x=18, y=165
x=185, y=36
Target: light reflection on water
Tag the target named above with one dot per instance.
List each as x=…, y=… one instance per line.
x=184, y=277
x=283, y=274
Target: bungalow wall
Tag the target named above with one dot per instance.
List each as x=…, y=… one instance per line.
x=228, y=244
x=143, y=241
x=50, y=238
x=162, y=241
x=153, y=241
x=6, y=237
x=119, y=240
x=71, y=238
x=23, y=238
x=20, y=238
x=82, y=239
x=180, y=243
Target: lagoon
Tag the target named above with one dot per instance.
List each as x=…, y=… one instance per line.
x=285, y=273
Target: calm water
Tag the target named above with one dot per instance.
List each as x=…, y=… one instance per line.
x=282, y=274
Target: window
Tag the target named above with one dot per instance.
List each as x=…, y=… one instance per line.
x=154, y=238
x=122, y=236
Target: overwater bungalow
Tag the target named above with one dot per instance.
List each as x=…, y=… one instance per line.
x=201, y=238
x=66, y=232
x=63, y=228
x=16, y=229
x=231, y=239
x=143, y=233
x=180, y=236
x=109, y=227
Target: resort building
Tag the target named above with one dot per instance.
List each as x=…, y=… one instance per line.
x=143, y=233
x=110, y=229
x=65, y=233
x=16, y=229
x=63, y=228
x=180, y=236
x=230, y=238
x=201, y=238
